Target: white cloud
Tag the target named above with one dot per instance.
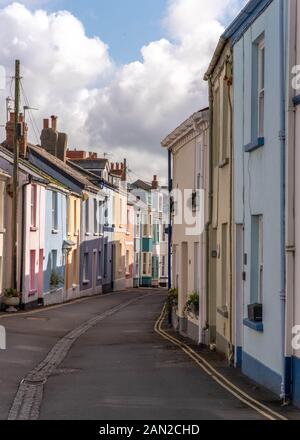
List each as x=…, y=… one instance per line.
x=126, y=110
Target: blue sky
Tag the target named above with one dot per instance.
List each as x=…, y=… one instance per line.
x=125, y=25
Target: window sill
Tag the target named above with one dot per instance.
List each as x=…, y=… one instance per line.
x=256, y=326
x=224, y=163
x=85, y=282
x=33, y=229
x=55, y=231
x=96, y=235
x=87, y=234
x=223, y=311
x=254, y=145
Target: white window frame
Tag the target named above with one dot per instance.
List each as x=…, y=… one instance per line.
x=261, y=88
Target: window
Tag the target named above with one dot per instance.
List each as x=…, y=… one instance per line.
x=224, y=265
x=105, y=261
x=128, y=219
x=261, y=88
x=32, y=271
x=54, y=210
x=106, y=211
x=54, y=260
x=163, y=267
x=87, y=216
x=216, y=137
x=75, y=216
x=145, y=267
x=137, y=264
x=138, y=226
x=99, y=264
x=121, y=211
x=100, y=218
x=33, y=204
x=127, y=263
x=257, y=259
x=96, y=229
x=85, y=267
x=225, y=109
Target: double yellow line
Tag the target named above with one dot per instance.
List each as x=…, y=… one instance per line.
x=215, y=375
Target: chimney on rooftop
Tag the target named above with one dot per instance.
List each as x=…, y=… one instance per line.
x=23, y=132
x=52, y=141
x=155, y=182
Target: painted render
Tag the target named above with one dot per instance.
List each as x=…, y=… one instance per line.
x=189, y=146
x=258, y=192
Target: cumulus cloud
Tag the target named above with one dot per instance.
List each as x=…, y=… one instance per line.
x=125, y=110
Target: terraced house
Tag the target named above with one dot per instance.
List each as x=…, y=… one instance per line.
x=188, y=145
x=220, y=212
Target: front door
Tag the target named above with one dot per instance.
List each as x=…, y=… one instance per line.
x=41, y=274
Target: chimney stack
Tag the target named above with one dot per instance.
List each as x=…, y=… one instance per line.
x=124, y=168
x=10, y=134
x=155, y=183
x=52, y=141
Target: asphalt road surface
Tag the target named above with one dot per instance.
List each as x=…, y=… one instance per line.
x=100, y=359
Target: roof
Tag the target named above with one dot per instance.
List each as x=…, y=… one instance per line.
x=64, y=167
x=234, y=32
x=140, y=184
x=91, y=164
x=27, y=167
x=186, y=126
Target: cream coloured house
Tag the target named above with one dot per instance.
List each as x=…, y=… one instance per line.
x=188, y=145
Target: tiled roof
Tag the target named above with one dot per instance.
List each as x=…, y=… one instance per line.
x=67, y=169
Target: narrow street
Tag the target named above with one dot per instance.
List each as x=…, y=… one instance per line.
x=112, y=366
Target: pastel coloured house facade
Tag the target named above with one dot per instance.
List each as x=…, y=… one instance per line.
x=220, y=209
x=129, y=245
x=31, y=230
x=56, y=234
x=4, y=179
x=188, y=147
x=259, y=48
x=91, y=254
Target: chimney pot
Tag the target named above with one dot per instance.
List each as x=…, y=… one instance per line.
x=54, y=122
x=46, y=124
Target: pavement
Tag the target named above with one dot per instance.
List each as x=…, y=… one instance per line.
x=101, y=359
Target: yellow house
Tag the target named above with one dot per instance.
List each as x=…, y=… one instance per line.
x=118, y=174
x=221, y=254
x=72, y=247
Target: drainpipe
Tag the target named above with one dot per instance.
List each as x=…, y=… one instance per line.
x=170, y=221
x=210, y=206
x=285, y=384
x=229, y=80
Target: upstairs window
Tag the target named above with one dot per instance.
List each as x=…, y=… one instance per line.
x=33, y=205
x=95, y=216
x=87, y=216
x=261, y=88
x=54, y=210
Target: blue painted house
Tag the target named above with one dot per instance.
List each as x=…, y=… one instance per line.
x=56, y=234
x=259, y=54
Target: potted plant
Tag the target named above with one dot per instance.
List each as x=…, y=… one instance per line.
x=11, y=299
x=171, y=303
x=192, y=305
x=56, y=280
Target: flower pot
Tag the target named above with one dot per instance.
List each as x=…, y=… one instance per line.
x=11, y=301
